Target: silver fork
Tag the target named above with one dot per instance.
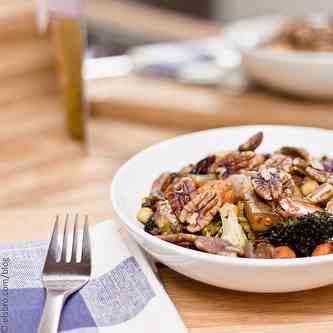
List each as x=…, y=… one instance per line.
x=61, y=277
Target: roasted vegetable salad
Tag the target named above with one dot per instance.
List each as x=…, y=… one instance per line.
x=245, y=203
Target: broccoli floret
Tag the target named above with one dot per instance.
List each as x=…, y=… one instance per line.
x=302, y=234
x=212, y=228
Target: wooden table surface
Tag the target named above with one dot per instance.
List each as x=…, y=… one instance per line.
x=43, y=173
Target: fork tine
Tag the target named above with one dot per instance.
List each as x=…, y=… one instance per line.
x=52, y=252
x=75, y=239
x=65, y=246
x=86, y=252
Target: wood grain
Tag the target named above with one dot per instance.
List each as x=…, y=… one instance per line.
x=17, y=20
x=143, y=22
x=157, y=101
x=218, y=310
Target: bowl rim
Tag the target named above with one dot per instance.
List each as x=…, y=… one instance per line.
x=289, y=56
x=208, y=257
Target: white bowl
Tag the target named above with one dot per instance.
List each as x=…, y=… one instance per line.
x=133, y=181
x=307, y=74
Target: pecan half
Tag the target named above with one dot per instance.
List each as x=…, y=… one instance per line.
x=200, y=211
x=289, y=186
x=218, y=246
x=252, y=143
x=321, y=193
x=297, y=207
x=315, y=163
x=279, y=162
x=203, y=166
x=321, y=176
x=268, y=184
x=233, y=163
x=295, y=152
x=299, y=166
x=180, y=193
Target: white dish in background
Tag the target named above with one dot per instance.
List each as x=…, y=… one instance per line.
x=133, y=181
x=307, y=74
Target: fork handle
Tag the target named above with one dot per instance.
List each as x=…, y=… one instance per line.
x=49, y=322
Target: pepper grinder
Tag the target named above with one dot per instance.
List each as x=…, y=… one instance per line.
x=68, y=34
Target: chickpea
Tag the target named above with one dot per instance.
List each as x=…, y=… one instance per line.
x=308, y=186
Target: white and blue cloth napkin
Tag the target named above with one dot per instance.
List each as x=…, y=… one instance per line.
x=124, y=295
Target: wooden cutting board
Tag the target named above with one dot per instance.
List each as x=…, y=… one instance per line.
x=167, y=103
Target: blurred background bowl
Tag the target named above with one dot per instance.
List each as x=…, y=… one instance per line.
x=305, y=74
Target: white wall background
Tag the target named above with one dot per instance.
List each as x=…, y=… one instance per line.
x=226, y=10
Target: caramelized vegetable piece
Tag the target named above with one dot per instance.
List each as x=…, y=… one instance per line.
x=241, y=184
x=323, y=249
x=203, y=166
x=261, y=217
x=252, y=143
x=150, y=201
x=283, y=252
x=162, y=182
